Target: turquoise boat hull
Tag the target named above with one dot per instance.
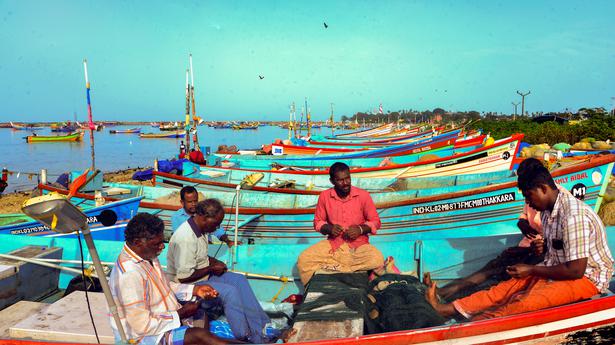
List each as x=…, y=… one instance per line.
x=489, y=210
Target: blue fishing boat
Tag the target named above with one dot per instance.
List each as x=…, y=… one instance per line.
x=107, y=221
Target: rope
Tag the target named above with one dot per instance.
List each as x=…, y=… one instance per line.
x=284, y=281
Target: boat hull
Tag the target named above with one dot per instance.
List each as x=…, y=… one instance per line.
x=117, y=214
x=55, y=138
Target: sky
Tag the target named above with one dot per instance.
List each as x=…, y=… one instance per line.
x=457, y=55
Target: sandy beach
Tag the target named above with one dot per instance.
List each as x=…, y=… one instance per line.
x=11, y=202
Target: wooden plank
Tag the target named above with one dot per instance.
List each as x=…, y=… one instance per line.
x=17, y=312
x=68, y=320
x=316, y=330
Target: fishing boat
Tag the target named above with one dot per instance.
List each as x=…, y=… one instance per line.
x=64, y=127
x=166, y=135
x=106, y=221
x=495, y=157
x=248, y=125
x=428, y=214
x=23, y=127
x=126, y=131
x=169, y=127
x=270, y=268
x=77, y=136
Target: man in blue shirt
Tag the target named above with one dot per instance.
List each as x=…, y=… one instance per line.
x=189, y=197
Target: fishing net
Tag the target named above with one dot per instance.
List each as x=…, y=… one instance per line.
x=399, y=304
x=391, y=302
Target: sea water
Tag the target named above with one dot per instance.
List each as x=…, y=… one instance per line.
x=113, y=151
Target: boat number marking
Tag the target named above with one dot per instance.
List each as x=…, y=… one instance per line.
x=578, y=191
x=40, y=228
x=460, y=205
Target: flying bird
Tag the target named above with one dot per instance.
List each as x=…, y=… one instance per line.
x=325, y=24
x=261, y=77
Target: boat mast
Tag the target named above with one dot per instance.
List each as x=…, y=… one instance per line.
x=187, y=122
x=90, y=121
x=194, y=117
x=290, y=120
x=331, y=123
x=308, y=119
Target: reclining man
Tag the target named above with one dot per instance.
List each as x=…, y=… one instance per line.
x=578, y=263
x=146, y=300
x=528, y=251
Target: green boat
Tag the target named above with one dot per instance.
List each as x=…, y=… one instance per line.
x=77, y=136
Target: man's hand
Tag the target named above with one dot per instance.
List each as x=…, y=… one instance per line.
x=332, y=230
x=205, y=292
x=218, y=268
x=526, y=229
x=337, y=230
x=519, y=270
x=538, y=246
x=188, y=309
x=353, y=232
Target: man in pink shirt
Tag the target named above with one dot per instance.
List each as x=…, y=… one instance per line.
x=346, y=215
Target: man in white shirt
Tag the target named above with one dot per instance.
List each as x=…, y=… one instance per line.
x=188, y=262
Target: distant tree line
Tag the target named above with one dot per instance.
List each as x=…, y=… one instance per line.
x=594, y=123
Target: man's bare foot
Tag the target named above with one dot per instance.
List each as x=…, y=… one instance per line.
x=287, y=334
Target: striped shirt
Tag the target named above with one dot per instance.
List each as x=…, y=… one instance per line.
x=146, y=299
x=574, y=231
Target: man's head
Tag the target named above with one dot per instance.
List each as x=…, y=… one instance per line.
x=189, y=197
x=209, y=215
x=339, y=175
x=528, y=164
x=537, y=185
x=144, y=234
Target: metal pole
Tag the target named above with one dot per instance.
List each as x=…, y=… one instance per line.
x=43, y=176
x=515, y=106
x=103, y=282
x=234, y=248
x=523, y=100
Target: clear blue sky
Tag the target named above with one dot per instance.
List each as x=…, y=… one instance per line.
x=458, y=55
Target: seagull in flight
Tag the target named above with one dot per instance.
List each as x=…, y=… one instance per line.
x=325, y=24
x=261, y=77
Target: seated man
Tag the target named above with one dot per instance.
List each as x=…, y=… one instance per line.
x=346, y=215
x=578, y=263
x=188, y=262
x=146, y=300
x=189, y=197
